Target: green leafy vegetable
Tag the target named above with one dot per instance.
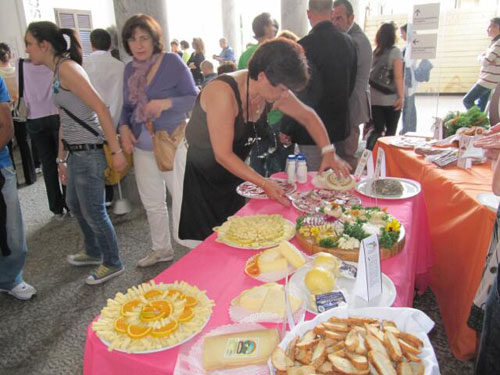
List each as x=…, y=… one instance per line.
x=355, y=230
x=473, y=117
x=387, y=239
x=328, y=242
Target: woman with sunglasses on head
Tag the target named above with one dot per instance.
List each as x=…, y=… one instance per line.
x=222, y=130
x=158, y=91
x=85, y=124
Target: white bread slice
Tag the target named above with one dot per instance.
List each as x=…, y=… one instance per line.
x=374, y=331
x=334, y=319
x=361, y=330
x=340, y=353
x=352, y=340
x=404, y=368
x=290, y=350
x=319, y=329
x=388, y=323
x=307, y=341
x=392, y=346
x=418, y=368
x=374, y=344
x=335, y=335
x=326, y=368
x=358, y=361
x=412, y=357
x=300, y=370
x=382, y=364
x=304, y=356
x=344, y=366
x=361, y=320
x=361, y=349
x=411, y=339
x=408, y=348
x=394, y=330
x=318, y=354
x=336, y=326
x=280, y=360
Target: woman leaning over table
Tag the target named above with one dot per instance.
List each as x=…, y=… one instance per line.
x=83, y=174
x=158, y=87
x=386, y=108
x=221, y=133
x=488, y=295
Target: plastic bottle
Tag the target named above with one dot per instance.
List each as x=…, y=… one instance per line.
x=290, y=169
x=301, y=169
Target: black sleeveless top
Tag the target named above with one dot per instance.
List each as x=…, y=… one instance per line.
x=209, y=193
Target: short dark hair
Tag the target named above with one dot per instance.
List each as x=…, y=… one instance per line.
x=100, y=39
x=404, y=28
x=174, y=41
x=347, y=4
x=5, y=53
x=146, y=23
x=320, y=6
x=184, y=44
x=496, y=21
x=226, y=67
x=385, y=38
x=259, y=24
x=283, y=61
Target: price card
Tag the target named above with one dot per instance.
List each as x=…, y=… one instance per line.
x=380, y=166
x=368, y=283
x=464, y=143
x=364, y=162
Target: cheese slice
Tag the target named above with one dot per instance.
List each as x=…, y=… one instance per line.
x=275, y=302
x=292, y=254
x=239, y=349
x=252, y=299
x=276, y=265
x=270, y=254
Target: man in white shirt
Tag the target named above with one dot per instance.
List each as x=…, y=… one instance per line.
x=106, y=75
x=105, y=72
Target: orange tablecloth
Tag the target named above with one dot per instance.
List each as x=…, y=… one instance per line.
x=460, y=229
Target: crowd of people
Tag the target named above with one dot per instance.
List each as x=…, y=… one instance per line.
x=313, y=92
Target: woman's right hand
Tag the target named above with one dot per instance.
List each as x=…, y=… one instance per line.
x=275, y=192
x=128, y=139
x=63, y=172
x=398, y=104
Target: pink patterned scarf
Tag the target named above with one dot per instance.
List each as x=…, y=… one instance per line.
x=137, y=83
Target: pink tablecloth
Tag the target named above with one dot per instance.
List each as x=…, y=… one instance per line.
x=218, y=269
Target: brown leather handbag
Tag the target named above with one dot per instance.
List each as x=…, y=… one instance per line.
x=165, y=145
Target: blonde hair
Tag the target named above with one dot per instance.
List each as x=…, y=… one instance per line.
x=198, y=45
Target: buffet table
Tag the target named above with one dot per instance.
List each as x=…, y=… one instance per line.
x=460, y=232
x=219, y=269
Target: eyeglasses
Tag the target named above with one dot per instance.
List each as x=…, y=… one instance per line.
x=141, y=39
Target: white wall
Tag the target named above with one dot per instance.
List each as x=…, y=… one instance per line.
x=12, y=25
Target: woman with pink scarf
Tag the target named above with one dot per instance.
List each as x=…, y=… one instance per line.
x=159, y=89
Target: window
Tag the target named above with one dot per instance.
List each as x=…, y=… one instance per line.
x=78, y=20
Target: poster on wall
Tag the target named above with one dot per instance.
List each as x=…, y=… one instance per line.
x=426, y=16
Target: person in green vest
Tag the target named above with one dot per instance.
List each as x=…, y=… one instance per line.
x=264, y=28
x=186, y=52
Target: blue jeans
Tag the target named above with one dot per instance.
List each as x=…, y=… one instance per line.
x=11, y=266
x=409, y=115
x=477, y=92
x=488, y=362
x=85, y=199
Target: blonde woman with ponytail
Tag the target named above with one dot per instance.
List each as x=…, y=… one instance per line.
x=85, y=124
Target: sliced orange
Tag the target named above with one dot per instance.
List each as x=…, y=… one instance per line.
x=121, y=325
x=186, y=315
x=153, y=293
x=166, y=330
x=129, y=306
x=171, y=292
x=190, y=301
x=138, y=332
x=150, y=313
x=164, y=305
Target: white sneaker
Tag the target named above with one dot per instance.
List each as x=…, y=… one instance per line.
x=155, y=257
x=22, y=291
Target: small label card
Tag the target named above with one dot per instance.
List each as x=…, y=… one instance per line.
x=464, y=143
x=330, y=300
x=363, y=163
x=380, y=166
x=369, y=277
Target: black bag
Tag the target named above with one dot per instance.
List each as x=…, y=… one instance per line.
x=20, y=111
x=423, y=71
x=382, y=74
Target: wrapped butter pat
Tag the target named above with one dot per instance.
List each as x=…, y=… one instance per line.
x=239, y=349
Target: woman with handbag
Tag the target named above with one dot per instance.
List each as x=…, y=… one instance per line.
x=386, y=84
x=158, y=91
x=85, y=123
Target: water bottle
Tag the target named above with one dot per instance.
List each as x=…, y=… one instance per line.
x=301, y=169
x=291, y=166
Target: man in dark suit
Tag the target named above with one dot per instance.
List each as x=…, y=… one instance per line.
x=332, y=58
x=359, y=102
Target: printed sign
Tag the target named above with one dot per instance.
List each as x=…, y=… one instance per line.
x=423, y=46
x=369, y=277
x=426, y=16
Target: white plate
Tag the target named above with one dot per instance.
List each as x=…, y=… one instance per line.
x=386, y=299
x=410, y=188
x=160, y=349
x=263, y=247
x=490, y=200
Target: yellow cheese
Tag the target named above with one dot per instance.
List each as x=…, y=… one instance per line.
x=270, y=254
x=275, y=302
x=292, y=254
x=239, y=349
x=276, y=265
x=252, y=299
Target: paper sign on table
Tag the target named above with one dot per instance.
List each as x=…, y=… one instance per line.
x=366, y=157
x=380, y=166
x=369, y=277
x=464, y=142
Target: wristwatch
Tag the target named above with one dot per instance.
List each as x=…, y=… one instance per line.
x=328, y=148
x=60, y=161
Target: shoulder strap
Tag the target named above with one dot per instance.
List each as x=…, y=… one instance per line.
x=21, y=77
x=81, y=122
x=231, y=82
